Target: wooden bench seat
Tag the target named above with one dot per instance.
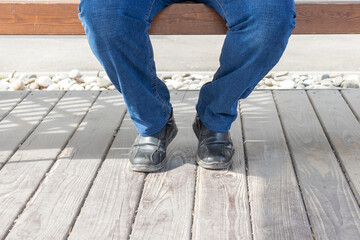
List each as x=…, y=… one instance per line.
x=186, y=18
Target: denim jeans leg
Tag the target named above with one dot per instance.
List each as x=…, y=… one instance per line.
x=257, y=35
x=116, y=31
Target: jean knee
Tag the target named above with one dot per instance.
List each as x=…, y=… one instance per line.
x=112, y=18
x=277, y=24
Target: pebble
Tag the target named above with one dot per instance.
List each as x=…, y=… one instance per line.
x=90, y=79
x=54, y=86
x=34, y=86
x=177, y=85
x=280, y=74
x=76, y=87
x=268, y=82
x=88, y=87
x=325, y=76
x=18, y=84
x=29, y=81
x=206, y=79
x=337, y=81
x=349, y=84
x=189, y=78
x=57, y=78
x=308, y=82
x=302, y=78
x=103, y=82
x=327, y=82
x=44, y=81
x=74, y=80
x=65, y=84
x=287, y=84
x=175, y=76
x=75, y=73
x=300, y=86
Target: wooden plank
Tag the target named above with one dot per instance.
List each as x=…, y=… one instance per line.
x=22, y=174
x=51, y=212
x=222, y=204
x=277, y=209
x=352, y=97
x=9, y=99
x=331, y=206
x=23, y=119
x=110, y=207
x=327, y=18
x=343, y=130
x=61, y=17
x=40, y=17
x=165, y=209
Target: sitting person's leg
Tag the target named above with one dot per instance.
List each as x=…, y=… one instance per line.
x=117, y=34
x=257, y=36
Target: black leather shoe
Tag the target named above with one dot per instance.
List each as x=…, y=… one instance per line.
x=215, y=150
x=148, y=154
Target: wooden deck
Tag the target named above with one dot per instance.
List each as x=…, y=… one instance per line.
x=64, y=170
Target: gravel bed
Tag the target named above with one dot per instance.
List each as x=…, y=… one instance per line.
x=98, y=80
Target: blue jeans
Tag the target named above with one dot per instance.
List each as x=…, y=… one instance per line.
x=257, y=35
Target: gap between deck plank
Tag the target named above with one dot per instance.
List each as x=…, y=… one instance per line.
x=51, y=211
x=109, y=209
x=21, y=176
x=23, y=119
x=165, y=210
x=277, y=209
x=9, y=100
x=332, y=209
x=222, y=204
x=343, y=131
x=352, y=97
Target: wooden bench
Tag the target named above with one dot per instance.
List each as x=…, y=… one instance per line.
x=186, y=18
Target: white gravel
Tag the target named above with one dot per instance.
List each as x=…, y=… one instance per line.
x=98, y=80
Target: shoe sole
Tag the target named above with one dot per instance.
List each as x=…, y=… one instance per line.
x=147, y=168
x=213, y=166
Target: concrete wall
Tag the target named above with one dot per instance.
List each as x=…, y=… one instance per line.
x=176, y=53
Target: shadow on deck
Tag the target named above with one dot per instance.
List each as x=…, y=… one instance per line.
x=64, y=170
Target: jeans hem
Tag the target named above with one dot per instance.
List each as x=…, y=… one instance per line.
x=214, y=129
x=210, y=127
x=153, y=131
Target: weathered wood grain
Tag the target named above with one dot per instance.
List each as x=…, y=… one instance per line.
x=23, y=119
x=343, y=130
x=61, y=17
x=165, y=209
x=110, y=207
x=22, y=174
x=222, y=204
x=352, y=97
x=277, y=209
x=9, y=99
x=52, y=210
x=331, y=206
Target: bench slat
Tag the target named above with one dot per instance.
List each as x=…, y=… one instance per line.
x=61, y=17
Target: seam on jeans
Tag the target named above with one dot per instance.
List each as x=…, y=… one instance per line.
x=223, y=8
x=149, y=10
x=154, y=82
